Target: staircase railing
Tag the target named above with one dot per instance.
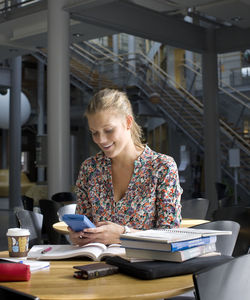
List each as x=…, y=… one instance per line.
x=233, y=95
x=103, y=68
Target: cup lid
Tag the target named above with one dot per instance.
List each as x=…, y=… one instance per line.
x=18, y=232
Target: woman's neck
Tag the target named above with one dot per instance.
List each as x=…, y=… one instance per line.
x=128, y=156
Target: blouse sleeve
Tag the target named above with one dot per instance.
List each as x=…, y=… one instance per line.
x=168, y=195
x=83, y=206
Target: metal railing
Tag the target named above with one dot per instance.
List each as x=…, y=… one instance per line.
x=98, y=67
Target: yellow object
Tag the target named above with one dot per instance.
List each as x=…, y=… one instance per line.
x=4, y=183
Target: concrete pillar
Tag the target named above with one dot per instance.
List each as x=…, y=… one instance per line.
x=4, y=143
x=15, y=134
x=58, y=105
x=40, y=117
x=116, y=51
x=131, y=50
x=211, y=120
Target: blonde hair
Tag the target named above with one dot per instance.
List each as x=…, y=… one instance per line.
x=111, y=99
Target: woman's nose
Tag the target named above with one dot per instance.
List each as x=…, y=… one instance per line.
x=101, y=138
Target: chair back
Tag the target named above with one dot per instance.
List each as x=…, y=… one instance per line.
x=64, y=198
x=222, y=194
x=49, y=210
x=240, y=215
x=28, y=203
x=66, y=209
x=7, y=293
x=194, y=208
x=32, y=221
x=225, y=243
x=227, y=281
x=8, y=220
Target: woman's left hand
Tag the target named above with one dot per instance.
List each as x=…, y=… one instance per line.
x=105, y=232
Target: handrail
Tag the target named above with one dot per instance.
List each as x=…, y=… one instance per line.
x=107, y=57
x=234, y=133
x=99, y=51
x=8, y=8
x=172, y=80
x=220, y=80
x=222, y=89
x=160, y=77
x=84, y=50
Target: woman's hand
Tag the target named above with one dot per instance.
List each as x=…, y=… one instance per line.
x=106, y=232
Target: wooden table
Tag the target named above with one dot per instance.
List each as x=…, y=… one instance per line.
x=61, y=227
x=58, y=282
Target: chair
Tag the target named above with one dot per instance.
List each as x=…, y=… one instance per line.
x=8, y=293
x=227, y=281
x=32, y=221
x=222, y=194
x=242, y=216
x=225, y=243
x=195, y=208
x=66, y=209
x=49, y=210
x=8, y=220
x=28, y=203
x=64, y=197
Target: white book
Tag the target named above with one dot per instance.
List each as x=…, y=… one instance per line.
x=177, y=256
x=93, y=251
x=34, y=264
x=172, y=235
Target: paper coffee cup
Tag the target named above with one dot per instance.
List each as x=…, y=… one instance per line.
x=18, y=242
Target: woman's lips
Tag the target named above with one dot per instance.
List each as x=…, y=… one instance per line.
x=108, y=146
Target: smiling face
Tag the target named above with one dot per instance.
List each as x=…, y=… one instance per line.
x=110, y=131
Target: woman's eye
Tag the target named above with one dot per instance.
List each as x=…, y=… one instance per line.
x=109, y=130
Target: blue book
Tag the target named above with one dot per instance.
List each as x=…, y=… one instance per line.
x=170, y=247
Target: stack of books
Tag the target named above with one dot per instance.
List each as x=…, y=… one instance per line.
x=177, y=245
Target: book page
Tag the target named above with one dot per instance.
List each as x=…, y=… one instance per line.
x=92, y=251
x=34, y=264
x=112, y=250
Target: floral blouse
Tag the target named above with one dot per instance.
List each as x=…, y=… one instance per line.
x=152, y=199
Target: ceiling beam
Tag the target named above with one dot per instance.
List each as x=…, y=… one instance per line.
x=232, y=39
x=133, y=19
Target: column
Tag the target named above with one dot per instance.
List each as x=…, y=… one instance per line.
x=211, y=121
x=58, y=105
x=4, y=143
x=15, y=134
x=40, y=117
x=131, y=50
x=116, y=52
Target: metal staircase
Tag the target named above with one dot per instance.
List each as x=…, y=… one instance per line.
x=94, y=67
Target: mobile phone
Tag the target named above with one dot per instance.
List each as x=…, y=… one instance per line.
x=77, y=222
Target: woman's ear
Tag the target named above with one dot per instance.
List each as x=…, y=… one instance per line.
x=129, y=121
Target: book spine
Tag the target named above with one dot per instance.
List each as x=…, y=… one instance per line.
x=182, y=245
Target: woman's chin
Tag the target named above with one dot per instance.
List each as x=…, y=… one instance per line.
x=109, y=152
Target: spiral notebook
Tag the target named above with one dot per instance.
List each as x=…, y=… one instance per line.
x=172, y=235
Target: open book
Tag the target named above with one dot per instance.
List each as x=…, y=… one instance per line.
x=93, y=251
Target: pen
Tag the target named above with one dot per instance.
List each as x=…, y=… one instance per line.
x=46, y=250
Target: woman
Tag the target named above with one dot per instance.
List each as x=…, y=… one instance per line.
x=126, y=187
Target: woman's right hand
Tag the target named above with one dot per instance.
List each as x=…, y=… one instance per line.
x=77, y=238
